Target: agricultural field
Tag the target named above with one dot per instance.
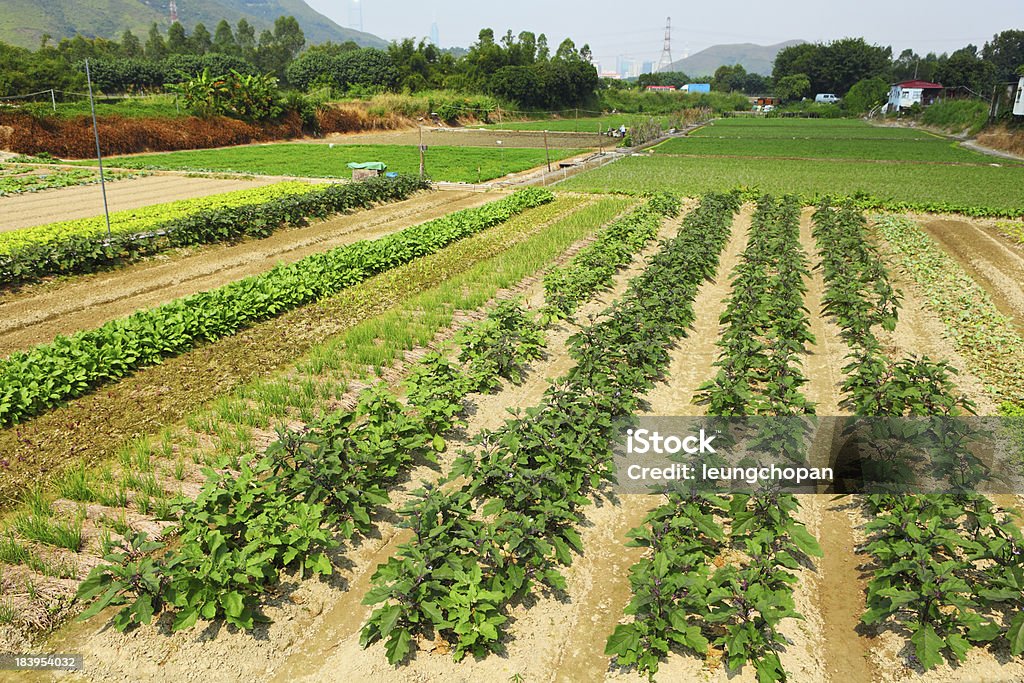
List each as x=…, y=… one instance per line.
x=373, y=431
x=843, y=158
x=452, y=164
x=19, y=178
x=582, y=124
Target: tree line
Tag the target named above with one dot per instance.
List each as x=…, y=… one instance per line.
x=855, y=69
x=519, y=68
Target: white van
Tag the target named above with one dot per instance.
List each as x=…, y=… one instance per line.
x=826, y=97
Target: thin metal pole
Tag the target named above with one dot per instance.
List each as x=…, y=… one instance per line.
x=99, y=154
x=421, y=153
x=547, y=152
x=53, y=101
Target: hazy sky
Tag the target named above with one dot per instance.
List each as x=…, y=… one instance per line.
x=636, y=29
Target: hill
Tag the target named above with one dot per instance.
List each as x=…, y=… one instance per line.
x=23, y=22
x=754, y=58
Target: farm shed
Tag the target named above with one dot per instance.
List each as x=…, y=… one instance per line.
x=696, y=87
x=908, y=93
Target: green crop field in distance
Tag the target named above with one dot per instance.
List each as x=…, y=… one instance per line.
x=832, y=129
x=1000, y=188
x=455, y=164
x=900, y=149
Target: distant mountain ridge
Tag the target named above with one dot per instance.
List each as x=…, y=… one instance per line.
x=23, y=22
x=756, y=59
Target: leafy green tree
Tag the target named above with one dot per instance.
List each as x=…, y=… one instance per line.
x=834, y=67
x=792, y=87
x=224, y=39
x=200, y=41
x=1006, y=53
x=177, y=39
x=518, y=84
x=964, y=69
x=729, y=78
x=676, y=79
x=156, y=48
x=130, y=45
x=866, y=95
x=245, y=37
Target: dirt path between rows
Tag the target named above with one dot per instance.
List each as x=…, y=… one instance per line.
x=39, y=314
x=839, y=586
x=987, y=258
x=86, y=201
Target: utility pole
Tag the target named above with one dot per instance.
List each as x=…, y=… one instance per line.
x=99, y=154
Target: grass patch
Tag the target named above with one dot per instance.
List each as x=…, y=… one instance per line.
x=820, y=129
x=902, y=149
x=996, y=189
x=455, y=164
x=49, y=531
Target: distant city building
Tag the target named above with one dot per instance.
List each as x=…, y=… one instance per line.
x=648, y=68
x=435, y=35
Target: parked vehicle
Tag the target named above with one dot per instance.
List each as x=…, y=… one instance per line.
x=827, y=97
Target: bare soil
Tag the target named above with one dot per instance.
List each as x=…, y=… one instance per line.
x=470, y=137
x=988, y=258
x=39, y=314
x=86, y=201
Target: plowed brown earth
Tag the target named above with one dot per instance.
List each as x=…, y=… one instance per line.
x=463, y=137
x=988, y=258
x=85, y=201
x=38, y=315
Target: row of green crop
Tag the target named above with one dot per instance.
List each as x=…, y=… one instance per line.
x=948, y=569
x=329, y=477
x=253, y=213
x=767, y=325
x=39, y=379
x=565, y=288
x=678, y=594
x=284, y=510
x=507, y=521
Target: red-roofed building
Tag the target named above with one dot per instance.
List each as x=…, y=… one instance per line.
x=908, y=93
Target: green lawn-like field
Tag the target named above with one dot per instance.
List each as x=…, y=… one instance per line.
x=831, y=129
x=999, y=188
x=455, y=164
x=833, y=157
x=901, y=149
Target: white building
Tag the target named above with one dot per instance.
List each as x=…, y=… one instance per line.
x=908, y=93
x=1018, y=103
